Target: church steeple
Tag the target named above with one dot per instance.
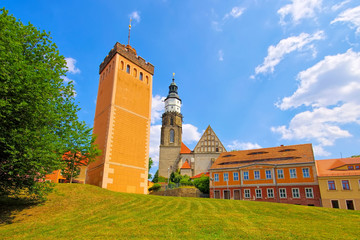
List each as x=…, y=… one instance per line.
x=173, y=101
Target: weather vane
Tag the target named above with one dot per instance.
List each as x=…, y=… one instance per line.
x=129, y=32
x=173, y=77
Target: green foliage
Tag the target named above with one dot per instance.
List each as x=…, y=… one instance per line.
x=355, y=156
x=155, y=187
x=202, y=184
x=156, y=177
x=186, y=181
x=38, y=114
x=151, y=163
x=175, y=177
x=162, y=179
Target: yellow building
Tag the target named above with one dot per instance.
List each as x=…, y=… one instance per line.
x=122, y=122
x=339, y=182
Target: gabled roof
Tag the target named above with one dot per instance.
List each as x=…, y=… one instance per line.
x=329, y=167
x=209, y=140
x=200, y=175
x=186, y=165
x=184, y=149
x=301, y=153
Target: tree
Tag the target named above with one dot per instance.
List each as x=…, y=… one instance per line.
x=355, y=156
x=202, y=183
x=38, y=114
x=156, y=177
x=151, y=163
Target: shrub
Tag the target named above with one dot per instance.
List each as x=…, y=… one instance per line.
x=155, y=187
x=202, y=184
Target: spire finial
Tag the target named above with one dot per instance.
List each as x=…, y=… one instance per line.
x=173, y=77
x=129, y=32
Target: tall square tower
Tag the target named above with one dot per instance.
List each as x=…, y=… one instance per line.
x=122, y=122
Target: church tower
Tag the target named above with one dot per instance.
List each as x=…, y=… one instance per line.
x=122, y=122
x=171, y=131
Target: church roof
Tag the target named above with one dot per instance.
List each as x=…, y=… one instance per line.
x=184, y=149
x=209, y=143
x=186, y=165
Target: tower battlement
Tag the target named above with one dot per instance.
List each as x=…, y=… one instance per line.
x=129, y=53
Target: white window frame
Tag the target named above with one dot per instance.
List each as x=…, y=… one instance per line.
x=258, y=193
x=283, y=192
x=216, y=177
x=308, y=172
x=266, y=174
x=312, y=192
x=226, y=179
x=255, y=171
x=291, y=175
x=247, y=175
x=236, y=178
x=298, y=192
x=282, y=173
x=247, y=193
x=271, y=195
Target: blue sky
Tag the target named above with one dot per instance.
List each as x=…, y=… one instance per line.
x=261, y=73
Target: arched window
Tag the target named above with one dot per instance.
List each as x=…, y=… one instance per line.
x=171, y=121
x=172, y=135
x=147, y=79
x=128, y=68
x=135, y=72
x=141, y=76
x=122, y=65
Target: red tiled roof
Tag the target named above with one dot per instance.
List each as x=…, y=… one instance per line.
x=186, y=165
x=200, y=175
x=328, y=167
x=184, y=149
x=301, y=153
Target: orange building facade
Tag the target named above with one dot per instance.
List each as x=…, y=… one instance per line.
x=122, y=122
x=339, y=182
x=284, y=174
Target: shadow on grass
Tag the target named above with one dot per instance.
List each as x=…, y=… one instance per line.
x=10, y=206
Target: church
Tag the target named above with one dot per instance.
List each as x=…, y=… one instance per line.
x=174, y=154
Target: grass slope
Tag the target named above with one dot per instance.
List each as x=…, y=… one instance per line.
x=86, y=212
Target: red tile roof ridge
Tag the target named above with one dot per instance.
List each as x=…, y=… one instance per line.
x=184, y=149
x=200, y=174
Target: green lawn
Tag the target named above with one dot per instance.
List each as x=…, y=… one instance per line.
x=86, y=212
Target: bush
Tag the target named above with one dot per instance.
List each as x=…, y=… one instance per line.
x=162, y=179
x=155, y=187
x=202, y=184
x=185, y=181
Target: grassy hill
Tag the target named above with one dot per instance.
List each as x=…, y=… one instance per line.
x=86, y=212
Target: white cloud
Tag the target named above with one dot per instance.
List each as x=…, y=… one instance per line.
x=319, y=151
x=299, y=9
x=70, y=63
x=235, y=12
x=236, y=145
x=190, y=133
x=66, y=79
x=351, y=15
x=339, y=5
x=135, y=16
x=221, y=55
x=157, y=108
x=331, y=88
x=286, y=46
x=155, y=132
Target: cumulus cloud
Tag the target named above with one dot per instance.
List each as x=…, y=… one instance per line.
x=286, y=46
x=70, y=63
x=155, y=131
x=331, y=89
x=190, y=133
x=221, y=55
x=299, y=9
x=352, y=16
x=236, y=145
x=157, y=108
x=135, y=16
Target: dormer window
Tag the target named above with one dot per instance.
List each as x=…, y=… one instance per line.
x=350, y=167
x=256, y=153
